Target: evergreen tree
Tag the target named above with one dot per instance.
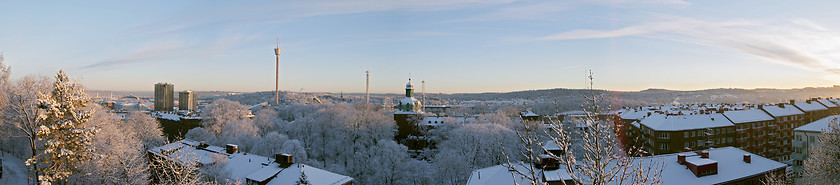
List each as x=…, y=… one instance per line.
x=303, y=180
x=67, y=141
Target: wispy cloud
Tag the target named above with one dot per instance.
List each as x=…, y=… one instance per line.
x=171, y=49
x=675, y=3
x=795, y=42
x=533, y=11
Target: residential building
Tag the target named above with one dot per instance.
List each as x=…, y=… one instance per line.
x=249, y=168
x=786, y=117
x=813, y=109
x=164, y=96
x=187, y=101
x=664, y=134
x=756, y=132
x=806, y=137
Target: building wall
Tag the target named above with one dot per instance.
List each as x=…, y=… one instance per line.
x=164, y=97
x=187, y=100
x=802, y=142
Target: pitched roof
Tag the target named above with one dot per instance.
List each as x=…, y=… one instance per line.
x=819, y=125
x=245, y=166
x=747, y=116
x=660, y=122
x=810, y=106
x=777, y=111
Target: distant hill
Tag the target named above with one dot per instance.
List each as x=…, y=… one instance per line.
x=546, y=101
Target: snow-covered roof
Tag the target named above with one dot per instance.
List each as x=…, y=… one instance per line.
x=817, y=126
x=747, y=116
x=408, y=100
x=243, y=166
x=810, y=106
x=827, y=103
x=528, y=113
x=731, y=166
x=697, y=161
x=776, y=111
x=636, y=115
x=290, y=175
x=165, y=115
x=498, y=175
x=661, y=122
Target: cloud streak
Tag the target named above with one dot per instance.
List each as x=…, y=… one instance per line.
x=796, y=42
x=171, y=49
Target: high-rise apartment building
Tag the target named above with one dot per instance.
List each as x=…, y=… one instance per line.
x=186, y=100
x=164, y=96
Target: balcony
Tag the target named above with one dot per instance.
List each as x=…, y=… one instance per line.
x=797, y=144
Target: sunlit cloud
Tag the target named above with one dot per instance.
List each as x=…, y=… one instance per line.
x=797, y=42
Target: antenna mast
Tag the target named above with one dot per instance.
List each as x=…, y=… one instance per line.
x=367, y=88
x=277, y=74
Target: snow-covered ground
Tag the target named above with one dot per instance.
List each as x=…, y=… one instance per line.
x=14, y=170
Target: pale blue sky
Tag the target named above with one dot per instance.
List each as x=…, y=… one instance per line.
x=456, y=46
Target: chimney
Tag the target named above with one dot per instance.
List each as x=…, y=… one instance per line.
x=285, y=160
x=792, y=101
x=681, y=159
x=747, y=158
x=781, y=105
x=648, y=114
x=704, y=154
x=230, y=148
x=202, y=144
x=760, y=106
x=548, y=163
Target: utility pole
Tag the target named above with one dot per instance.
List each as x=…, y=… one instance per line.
x=277, y=75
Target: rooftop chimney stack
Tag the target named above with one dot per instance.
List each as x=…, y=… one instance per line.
x=681, y=159
x=285, y=160
x=747, y=158
x=704, y=154
x=792, y=102
x=230, y=148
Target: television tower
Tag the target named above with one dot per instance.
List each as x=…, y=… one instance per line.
x=277, y=74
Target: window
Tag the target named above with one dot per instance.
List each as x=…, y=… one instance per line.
x=811, y=139
x=685, y=134
x=664, y=135
x=798, y=137
x=685, y=144
x=699, y=142
x=692, y=133
x=663, y=146
x=730, y=139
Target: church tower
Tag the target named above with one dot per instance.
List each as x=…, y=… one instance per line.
x=409, y=103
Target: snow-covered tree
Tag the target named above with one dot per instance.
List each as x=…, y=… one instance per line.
x=21, y=111
x=224, y=113
x=67, y=139
x=823, y=163
x=470, y=147
x=303, y=180
x=145, y=128
x=120, y=154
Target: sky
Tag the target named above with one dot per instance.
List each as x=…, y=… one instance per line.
x=454, y=46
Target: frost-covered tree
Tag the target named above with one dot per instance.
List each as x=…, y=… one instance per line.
x=120, y=154
x=224, y=113
x=823, y=163
x=145, y=128
x=67, y=139
x=21, y=111
x=470, y=147
x=303, y=180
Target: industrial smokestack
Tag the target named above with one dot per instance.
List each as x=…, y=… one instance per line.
x=424, y=94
